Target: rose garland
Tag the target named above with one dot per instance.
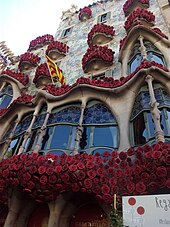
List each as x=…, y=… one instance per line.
x=61, y=47
x=102, y=29
x=139, y=171
x=139, y=14
x=21, y=77
x=40, y=40
x=42, y=70
x=29, y=57
x=97, y=52
x=129, y=3
x=85, y=10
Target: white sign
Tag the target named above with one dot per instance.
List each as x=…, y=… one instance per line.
x=146, y=211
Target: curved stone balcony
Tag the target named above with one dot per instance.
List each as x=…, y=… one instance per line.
x=42, y=75
x=97, y=58
x=139, y=16
x=40, y=41
x=130, y=5
x=28, y=61
x=57, y=50
x=85, y=14
x=100, y=34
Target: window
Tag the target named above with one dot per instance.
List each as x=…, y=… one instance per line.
x=153, y=54
x=6, y=96
x=143, y=128
x=67, y=32
x=104, y=17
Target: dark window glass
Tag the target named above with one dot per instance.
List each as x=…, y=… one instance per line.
x=5, y=101
x=60, y=137
x=84, y=141
x=105, y=136
x=151, y=125
x=139, y=130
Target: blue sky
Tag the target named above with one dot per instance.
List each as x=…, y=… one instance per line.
x=24, y=20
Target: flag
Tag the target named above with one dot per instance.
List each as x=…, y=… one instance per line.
x=55, y=71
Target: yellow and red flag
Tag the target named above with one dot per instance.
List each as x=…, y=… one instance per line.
x=55, y=71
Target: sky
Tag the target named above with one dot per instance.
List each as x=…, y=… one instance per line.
x=23, y=20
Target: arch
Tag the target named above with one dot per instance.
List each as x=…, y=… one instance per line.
x=142, y=125
x=160, y=43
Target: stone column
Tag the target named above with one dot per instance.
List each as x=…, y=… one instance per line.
x=56, y=208
x=79, y=128
x=14, y=205
x=159, y=135
x=42, y=132
x=142, y=48
x=3, y=85
x=27, y=133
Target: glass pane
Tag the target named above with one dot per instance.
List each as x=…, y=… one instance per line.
x=32, y=141
x=73, y=137
x=6, y=101
x=85, y=140
x=134, y=64
x=163, y=123
x=151, y=125
x=44, y=141
x=105, y=136
x=60, y=137
x=157, y=59
x=139, y=130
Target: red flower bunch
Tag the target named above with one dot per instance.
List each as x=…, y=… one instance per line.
x=21, y=77
x=3, y=111
x=29, y=57
x=136, y=171
x=129, y=3
x=40, y=41
x=85, y=11
x=57, y=91
x=157, y=30
x=42, y=70
x=24, y=98
x=139, y=14
x=59, y=46
x=100, y=29
x=97, y=52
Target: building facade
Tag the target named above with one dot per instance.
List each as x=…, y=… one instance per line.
x=78, y=136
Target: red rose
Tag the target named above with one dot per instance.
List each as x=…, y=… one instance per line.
x=123, y=155
x=26, y=176
x=50, y=171
x=100, y=171
x=108, y=199
x=157, y=154
x=140, y=187
x=137, y=169
x=81, y=175
x=30, y=185
x=131, y=187
x=96, y=189
x=105, y=189
x=130, y=152
x=5, y=173
x=128, y=172
x=65, y=177
x=91, y=173
x=168, y=183
x=118, y=173
x=72, y=168
x=167, y=159
x=32, y=169
x=114, y=154
x=75, y=187
x=145, y=177
x=80, y=165
x=52, y=179
x=98, y=160
x=58, y=169
x=161, y=171
x=89, y=164
x=43, y=180
x=152, y=187
x=87, y=183
x=41, y=169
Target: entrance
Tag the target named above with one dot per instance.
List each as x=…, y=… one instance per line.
x=90, y=215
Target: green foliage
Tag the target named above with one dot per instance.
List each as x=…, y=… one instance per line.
x=115, y=218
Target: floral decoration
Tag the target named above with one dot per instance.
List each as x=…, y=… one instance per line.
x=40, y=41
x=157, y=30
x=42, y=70
x=29, y=57
x=139, y=14
x=85, y=11
x=59, y=46
x=138, y=171
x=100, y=29
x=129, y=3
x=3, y=111
x=97, y=52
x=21, y=77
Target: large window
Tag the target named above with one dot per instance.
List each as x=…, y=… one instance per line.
x=143, y=129
x=153, y=54
x=6, y=96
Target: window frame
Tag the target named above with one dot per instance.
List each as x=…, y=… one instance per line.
x=100, y=20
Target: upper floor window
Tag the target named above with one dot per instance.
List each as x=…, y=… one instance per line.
x=143, y=128
x=153, y=54
x=6, y=96
x=66, y=32
x=104, y=17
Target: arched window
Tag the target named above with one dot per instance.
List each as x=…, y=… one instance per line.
x=153, y=54
x=100, y=128
x=6, y=95
x=143, y=129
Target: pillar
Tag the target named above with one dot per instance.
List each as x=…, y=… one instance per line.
x=142, y=48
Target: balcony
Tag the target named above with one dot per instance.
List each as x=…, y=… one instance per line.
x=85, y=14
x=40, y=41
x=57, y=50
x=28, y=61
x=42, y=76
x=131, y=5
x=139, y=17
x=97, y=58
x=100, y=34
